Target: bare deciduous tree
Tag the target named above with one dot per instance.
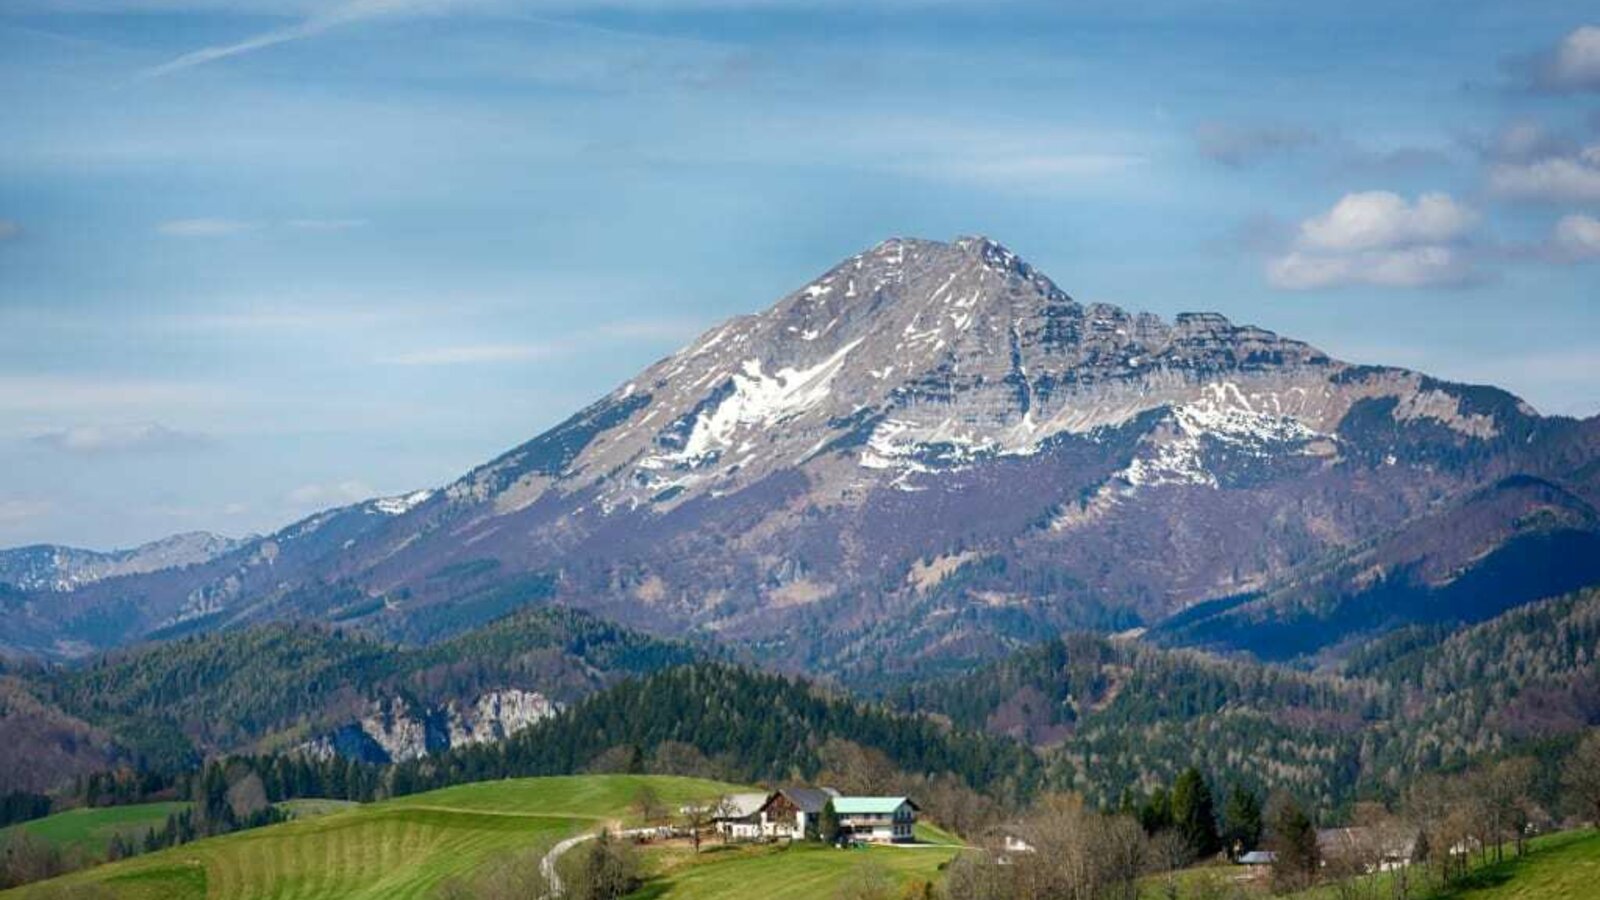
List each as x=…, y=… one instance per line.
x=1581, y=777
x=1076, y=854
x=647, y=805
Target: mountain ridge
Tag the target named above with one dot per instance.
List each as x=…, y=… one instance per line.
x=920, y=404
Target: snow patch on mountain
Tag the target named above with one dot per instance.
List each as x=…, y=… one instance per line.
x=398, y=506
x=1222, y=416
x=757, y=399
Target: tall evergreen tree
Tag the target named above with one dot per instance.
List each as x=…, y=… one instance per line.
x=1194, y=813
x=1156, y=813
x=1241, y=816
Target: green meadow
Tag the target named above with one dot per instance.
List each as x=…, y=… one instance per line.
x=396, y=849
x=89, y=831
x=1561, y=865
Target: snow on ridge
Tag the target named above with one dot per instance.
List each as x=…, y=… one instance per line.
x=1222, y=414
x=397, y=506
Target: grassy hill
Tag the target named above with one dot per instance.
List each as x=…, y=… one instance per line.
x=89, y=830
x=396, y=849
x=1562, y=865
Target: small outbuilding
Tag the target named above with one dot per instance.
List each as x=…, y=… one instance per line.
x=738, y=816
x=1258, y=858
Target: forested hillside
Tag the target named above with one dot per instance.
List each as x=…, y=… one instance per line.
x=165, y=705
x=1129, y=716
x=734, y=723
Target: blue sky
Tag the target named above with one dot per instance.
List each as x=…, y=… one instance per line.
x=258, y=258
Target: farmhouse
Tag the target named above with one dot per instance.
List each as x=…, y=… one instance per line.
x=1372, y=849
x=738, y=816
x=793, y=812
x=881, y=820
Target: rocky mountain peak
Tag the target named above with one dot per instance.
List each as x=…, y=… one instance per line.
x=911, y=351
x=917, y=357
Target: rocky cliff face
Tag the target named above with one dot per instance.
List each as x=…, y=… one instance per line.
x=394, y=731
x=930, y=452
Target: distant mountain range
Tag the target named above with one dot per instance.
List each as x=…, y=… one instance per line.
x=928, y=456
x=52, y=567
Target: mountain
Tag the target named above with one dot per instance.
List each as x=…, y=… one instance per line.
x=57, y=568
x=931, y=455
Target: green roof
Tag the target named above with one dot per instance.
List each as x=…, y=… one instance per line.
x=866, y=806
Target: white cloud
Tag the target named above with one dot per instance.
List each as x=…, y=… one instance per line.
x=1378, y=238
x=336, y=494
x=202, y=227
x=1406, y=267
x=1576, y=238
x=1573, y=177
x=121, y=437
x=9, y=229
x=1380, y=219
x=1574, y=65
x=468, y=354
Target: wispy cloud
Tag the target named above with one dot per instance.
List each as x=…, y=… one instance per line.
x=1242, y=145
x=326, y=224
x=280, y=318
x=9, y=229
x=487, y=353
x=57, y=394
x=139, y=437
x=334, y=494
x=1576, y=238
x=15, y=510
x=1379, y=238
x=1568, y=178
x=650, y=330
x=202, y=228
x=469, y=354
x=338, y=15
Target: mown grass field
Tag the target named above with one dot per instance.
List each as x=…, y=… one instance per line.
x=803, y=871
x=307, y=809
x=89, y=831
x=397, y=849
